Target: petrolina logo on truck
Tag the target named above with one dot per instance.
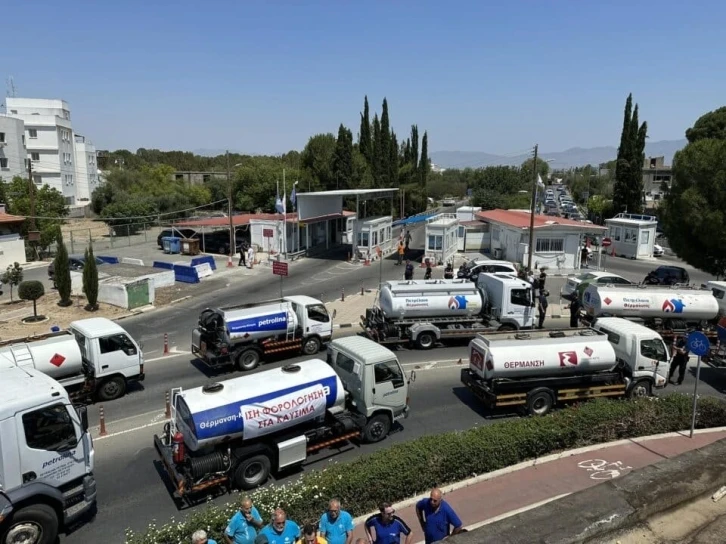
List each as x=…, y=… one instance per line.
x=457, y=302
x=673, y=306
x=269, y=322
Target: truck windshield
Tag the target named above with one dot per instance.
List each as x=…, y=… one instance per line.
x=50, y=428
x=654, y=348
x=390, y=371
x=521, y=297
x=318, y=312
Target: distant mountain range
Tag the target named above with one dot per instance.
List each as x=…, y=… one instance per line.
x=576, y=156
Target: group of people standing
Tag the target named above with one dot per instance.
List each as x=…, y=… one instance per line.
x=435, y=516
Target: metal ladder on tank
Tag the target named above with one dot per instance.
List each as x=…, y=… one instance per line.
x=290, y=335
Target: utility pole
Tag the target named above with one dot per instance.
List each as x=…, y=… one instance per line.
x=232, y=241
x=33, y=235
x=531, y=211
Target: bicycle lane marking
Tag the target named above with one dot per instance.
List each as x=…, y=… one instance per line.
x=601, y=469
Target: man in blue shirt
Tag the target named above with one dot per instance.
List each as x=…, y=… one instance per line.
x=281, y=530
x=336, y=525
x=200, y=537
x=242, y=528
x=387, y=527
x=437, y=517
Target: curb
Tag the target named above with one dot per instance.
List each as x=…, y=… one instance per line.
x=143, y=310
x=533, y=462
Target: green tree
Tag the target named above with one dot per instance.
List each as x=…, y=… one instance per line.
x=317, y=160
x=628, y=186
x=384, y=147
x=393, y=161
x=12, y=276
x=343, y=159
x=709, y=126
x=377, y=152
x=543, y=169
x=364, y=138
x=62, y=272
x=90, y=279
x=31, y=290
x=424, y=164
x=130, y=215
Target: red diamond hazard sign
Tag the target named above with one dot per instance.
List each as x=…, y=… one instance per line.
x=57, y=360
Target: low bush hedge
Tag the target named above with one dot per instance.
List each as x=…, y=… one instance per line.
x=405, y=470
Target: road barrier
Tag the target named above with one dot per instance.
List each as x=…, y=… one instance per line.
x=342, y=295
x=168, y=405
x=166, y=344
x=102, y=421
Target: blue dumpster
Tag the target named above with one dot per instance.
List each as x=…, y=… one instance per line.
x=171, y=244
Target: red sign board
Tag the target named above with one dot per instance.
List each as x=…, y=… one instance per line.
x=268, y=233
x=279, y=268
x=606, y=242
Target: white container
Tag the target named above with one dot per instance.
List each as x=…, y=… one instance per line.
x=259, y=404
x=58, y=356
x=433, y=298
x=650, y=302
x=508, y=357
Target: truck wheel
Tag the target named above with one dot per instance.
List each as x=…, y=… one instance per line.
x=376, y=429
x=252, y=472
x=36, y=524
x=249, y=359
x=311, y=346
x=507, y=327
x=112, y=389
x=539, y=403
x=425, y=340
x=640, y=389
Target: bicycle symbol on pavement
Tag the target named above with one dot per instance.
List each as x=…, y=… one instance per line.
x=603, y=470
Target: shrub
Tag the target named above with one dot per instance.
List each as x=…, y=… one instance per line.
x=62, y=272
x=31, y=290
x=90, y=279
x=408, y=469
x=12, y=276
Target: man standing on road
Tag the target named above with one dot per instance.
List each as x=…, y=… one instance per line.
x=387, y=527
x=336, y=525
x=408, y=274
x=680, y=360
x=542, y=307
x=242, y=254
x=401, y=251
x=574, y=311
x=281, y=530
x=243, y=527
x=407, y=238
x=437, y=517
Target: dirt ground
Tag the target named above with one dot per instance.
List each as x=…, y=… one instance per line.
x=11, y=315
x=82, y=228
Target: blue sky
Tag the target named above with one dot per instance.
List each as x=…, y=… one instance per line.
x=261, y=77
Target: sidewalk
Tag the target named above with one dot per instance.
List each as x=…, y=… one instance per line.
x=504, y=493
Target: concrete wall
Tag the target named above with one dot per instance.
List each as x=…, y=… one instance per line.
x=13, y=149
x=12, y=250
x=113, y=289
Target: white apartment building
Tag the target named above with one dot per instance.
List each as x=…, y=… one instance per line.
x=51, y=147
x=86, y=169
x=12, y=148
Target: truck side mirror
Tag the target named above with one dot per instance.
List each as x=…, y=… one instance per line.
x=412, y=377
x=335, y=312
x=83, y=416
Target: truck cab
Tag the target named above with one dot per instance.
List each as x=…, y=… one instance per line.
x=47, y=458
x=510, y=299
x=374, y=380
x=114, y=355
x=640, y=348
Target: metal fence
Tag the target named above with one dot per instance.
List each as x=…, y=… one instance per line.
x=104, y=237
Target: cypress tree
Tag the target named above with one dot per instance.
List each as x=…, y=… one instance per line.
x=364, y=138
x=343, y=158
x=90, y=279
x=622, y=164
x=628, y=186
x=424, y=165
x=377, y=153
x=393, y=161
x=385, y=146
x=62, y=272
x=414, y=145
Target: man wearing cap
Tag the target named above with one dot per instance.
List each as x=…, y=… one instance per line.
x=336, y=525
x=387, y=527
x=281, y=530
x=437, y=517
x=242, y=528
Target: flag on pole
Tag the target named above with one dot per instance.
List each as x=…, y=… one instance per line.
x=279, y=204
x=293, y=195
x=539, y=181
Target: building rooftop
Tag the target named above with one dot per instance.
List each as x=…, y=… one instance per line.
x=8, y=218
x=245, y=218
x=521, y=220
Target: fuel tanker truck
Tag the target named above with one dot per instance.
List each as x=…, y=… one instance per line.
x=669, y=310
x=236, y=432
x=244, y=335
x=425, y=312
x=539, y=369
x=94, y=359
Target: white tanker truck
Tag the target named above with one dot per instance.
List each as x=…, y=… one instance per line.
x=669, y=310
x=94, y=358
x=236, y=432
x=537, y=370
x=425, y=312
x=243, y=335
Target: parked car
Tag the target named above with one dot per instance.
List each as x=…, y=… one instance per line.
x=658, y=250
x=76, y=264
x=448, y=201
x=181, y=233
x=667, y=275
x=472, y=269
x=600, y=278
x=218, y=241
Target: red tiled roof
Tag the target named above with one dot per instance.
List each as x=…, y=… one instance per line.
x=521, y=220
x=244, y=219
x=7, y=218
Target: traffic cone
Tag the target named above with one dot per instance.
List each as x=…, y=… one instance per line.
x=230, y=264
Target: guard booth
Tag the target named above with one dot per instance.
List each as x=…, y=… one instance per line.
x=632, y=235
x=372, y=234
x=441, y=238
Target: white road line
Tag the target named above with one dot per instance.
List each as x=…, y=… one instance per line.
x=172, y=353
x=126, y=431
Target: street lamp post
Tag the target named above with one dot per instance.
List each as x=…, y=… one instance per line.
x=533, y=206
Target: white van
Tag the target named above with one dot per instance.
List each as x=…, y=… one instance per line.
x=718, y=288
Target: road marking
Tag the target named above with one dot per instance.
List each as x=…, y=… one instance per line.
x=126, y=431
x=173, y=352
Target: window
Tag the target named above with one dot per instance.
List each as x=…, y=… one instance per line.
x=2, y=137
x=388, y=233
x=390, y=371
x=550, y=245
x=436, y=242
x=363, y=238
x=718, y=293
x=179, y=177
x=615, y=233
x=185, y=414
x=35, y=156
x=375, y=237
x=49, y=429
x=117, y=342
x=206, y=178
x=653, y=349
x=630, y=236
x=318, y=312
x=613, y=338
x=345, y=363
x=14, y=111
x=461, y=232
x=3, y=163
x=520, y=297
x=33, y=133
x=495, y=234
x=23, y=137
x=645, y=237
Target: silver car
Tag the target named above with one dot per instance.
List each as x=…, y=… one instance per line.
x=598, y=278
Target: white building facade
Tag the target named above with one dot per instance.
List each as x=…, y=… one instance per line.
x=12, y=148
x=51, y=147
